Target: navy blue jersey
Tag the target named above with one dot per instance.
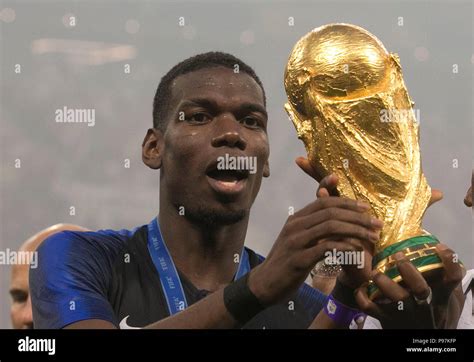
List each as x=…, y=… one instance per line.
x=109, y=275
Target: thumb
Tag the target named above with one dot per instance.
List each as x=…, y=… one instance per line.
x=305, y=165
x=322, y=192
x=436, y=195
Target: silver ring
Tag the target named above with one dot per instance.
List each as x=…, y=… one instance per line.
x=424, y=301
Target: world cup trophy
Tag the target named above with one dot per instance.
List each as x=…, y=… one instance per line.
x=351, y=108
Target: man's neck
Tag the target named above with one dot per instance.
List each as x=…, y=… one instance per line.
x=205, y=255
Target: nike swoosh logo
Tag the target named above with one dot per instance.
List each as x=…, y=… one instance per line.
x=123, y=324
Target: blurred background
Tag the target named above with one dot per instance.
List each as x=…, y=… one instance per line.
x=77, y=53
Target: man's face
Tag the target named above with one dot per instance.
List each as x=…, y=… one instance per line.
x=20, y=310
x=214, y=112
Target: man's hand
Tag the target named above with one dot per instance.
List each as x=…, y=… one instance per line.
x=304, y=240
x=351, y=276
x=416, y=304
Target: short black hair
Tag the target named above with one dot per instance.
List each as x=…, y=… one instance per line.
x=200, y=61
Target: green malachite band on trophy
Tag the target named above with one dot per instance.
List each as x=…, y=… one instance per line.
x=400, y=246
x=371, y=289
x=419, y=263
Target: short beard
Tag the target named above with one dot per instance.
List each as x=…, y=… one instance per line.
x=211, y=217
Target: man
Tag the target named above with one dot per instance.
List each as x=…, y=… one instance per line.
x=188, y=267
x=203, y=110
x=20, y=310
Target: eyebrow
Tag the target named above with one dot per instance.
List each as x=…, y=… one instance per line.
x=211, y=104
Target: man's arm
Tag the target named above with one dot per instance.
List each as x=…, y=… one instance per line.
x=208, y=313
x=304, y=239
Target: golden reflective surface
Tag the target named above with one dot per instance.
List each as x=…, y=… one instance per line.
x=350, y=106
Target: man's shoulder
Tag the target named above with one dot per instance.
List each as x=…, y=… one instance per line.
x=81, y=243
x=75, y=267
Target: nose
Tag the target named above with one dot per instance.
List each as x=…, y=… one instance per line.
x=228, y=133
x=27, y=315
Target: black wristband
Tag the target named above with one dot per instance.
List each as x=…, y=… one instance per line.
x=240, y=302
x=344, y=294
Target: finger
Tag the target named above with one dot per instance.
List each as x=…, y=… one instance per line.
x=338, y=229
x=468, y=198
x=322, y=192
x=305, y=165
x=365, y=304
x=388, y=287
x=330, y=183
x=368, y=245
x=365, y=265
x=436, y=195
x=318, y=252
x=333, y=201
x=453, y=272
x=335, y=213
x=413, y=279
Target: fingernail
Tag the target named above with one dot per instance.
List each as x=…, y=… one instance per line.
x=363, y=206
x=399, y=256
x=441, y=247
x=376, y=223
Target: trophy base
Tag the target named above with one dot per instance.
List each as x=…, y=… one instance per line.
x=421, y=252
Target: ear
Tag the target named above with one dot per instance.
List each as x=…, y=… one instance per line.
x=266, y=169
x=152, y=148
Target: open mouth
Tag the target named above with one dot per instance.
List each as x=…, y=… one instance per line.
x=227, y=181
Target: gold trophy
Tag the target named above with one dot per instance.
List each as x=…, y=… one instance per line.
x=350, y=106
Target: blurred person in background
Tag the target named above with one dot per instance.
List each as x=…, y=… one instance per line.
x=20, y=310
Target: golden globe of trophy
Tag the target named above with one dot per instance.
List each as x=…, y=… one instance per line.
x=351, y=108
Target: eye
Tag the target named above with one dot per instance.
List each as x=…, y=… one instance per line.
x=19, y=296
x=199, y=118
x=250, y=122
